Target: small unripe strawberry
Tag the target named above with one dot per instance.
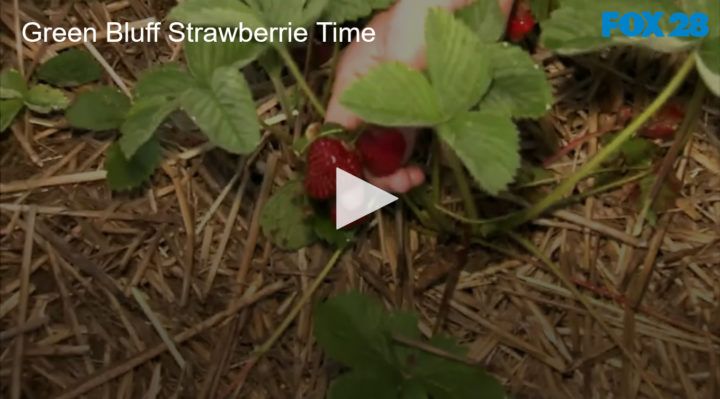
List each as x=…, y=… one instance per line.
x=520, y=25
x=382, y=150
x=323, y=157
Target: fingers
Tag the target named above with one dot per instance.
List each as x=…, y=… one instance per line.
x=400, y=36
x=402, y=181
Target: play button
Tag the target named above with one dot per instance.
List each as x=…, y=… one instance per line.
x=355, y=198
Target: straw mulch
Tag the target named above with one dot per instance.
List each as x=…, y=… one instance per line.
x=95, y=283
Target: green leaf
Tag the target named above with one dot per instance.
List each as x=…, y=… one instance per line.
x=394, y=94
x=665, y=199
x=351, y=10
x=458, y=62
x=281, y=12
x=99, y=109
x=70, y=68
x=215, y=13
x=12, y=84
x=711, y=8
x=636, y=151
x=225, y=111
x=8, y=110
x=325, y=229
x=45, y=99
x=356, y=385
x=204, y=58
x=485, y=19
x=708, y=64
x=145, y=116
x=487, y=144
x=412, y=389
x=447, y=379
x=519, y=88
x=163, y=81
x=576, y=27
x=284, y=220
x=540, y=9
x=125, y=174
x=350, y=329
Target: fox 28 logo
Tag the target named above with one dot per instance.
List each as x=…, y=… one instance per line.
x=645, y=24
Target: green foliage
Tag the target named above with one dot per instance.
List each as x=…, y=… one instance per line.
x=70, y=68
x=280, y=12
x=12, y=84
x=285, y=220
x=325, y=229
x=167, y=81
x=125, y=174
x=463, y=71
x=458, y=62
x=576, y=27
x=225, y=111
x=204, y=58
x=8, y=110
x=488, y=145
x=485, y=19
x=144, y=117
x=708, y=63
x=103, y=108
x=519, y=87
x=215, y=13
x=351, y=10
x=45, y=99
x=14, y=95
x=540, y=9
x=394, y=94
x=358, y=332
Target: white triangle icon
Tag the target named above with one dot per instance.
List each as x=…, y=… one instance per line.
x=355, y=198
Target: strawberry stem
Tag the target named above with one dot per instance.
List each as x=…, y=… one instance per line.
x=681, y=137
x=298, y=75
x=463, y=185
x=568, y=185
x=265, y=348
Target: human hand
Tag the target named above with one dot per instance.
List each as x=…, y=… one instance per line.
x=399, y=36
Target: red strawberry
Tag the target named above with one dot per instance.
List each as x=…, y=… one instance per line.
x=665, y=123
x=323, y=157
x=520, y=25
x=382, y=150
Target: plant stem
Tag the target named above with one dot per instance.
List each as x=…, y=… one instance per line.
x=298, y=75
x=333, y=71
x=435, y=177
x=681, y=136
x=568, y=185
x=300, y=304
x=281, y=92
x=463, y=185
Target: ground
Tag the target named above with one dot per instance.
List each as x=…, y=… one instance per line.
x=90, y=277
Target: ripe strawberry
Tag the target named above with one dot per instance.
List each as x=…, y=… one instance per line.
x=520, y=25
x=323, y=157
x=665, y=123
x=382, y=150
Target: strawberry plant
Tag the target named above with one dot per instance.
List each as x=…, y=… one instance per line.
x=16, y=95
x=382, y=366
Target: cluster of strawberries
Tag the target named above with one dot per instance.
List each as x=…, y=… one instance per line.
x=380, y=151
